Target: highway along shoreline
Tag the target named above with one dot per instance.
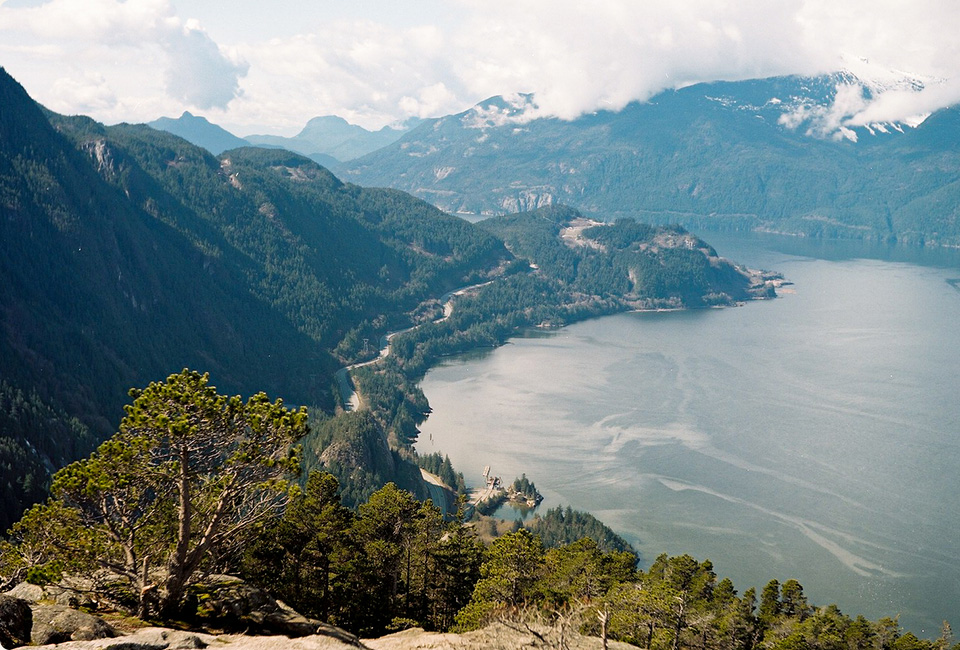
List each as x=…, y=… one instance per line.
x=350, y=399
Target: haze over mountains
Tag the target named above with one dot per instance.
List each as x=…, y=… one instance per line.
x=334, y=137
x=326, y=140
x=130, y=253
x=200, y=132
x=266, y=246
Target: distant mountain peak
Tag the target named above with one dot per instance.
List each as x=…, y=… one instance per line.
x=774, y=153
x=200, y=131
x=330, y=138
x=879, y=78
x=863, y=99
x=501, y=110
x=329, y=120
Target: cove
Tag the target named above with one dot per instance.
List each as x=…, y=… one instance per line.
x=816, y=436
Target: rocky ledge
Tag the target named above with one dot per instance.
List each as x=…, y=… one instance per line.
x=46, y=617
x=493, y=637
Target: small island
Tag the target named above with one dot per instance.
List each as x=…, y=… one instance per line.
x=521, y=494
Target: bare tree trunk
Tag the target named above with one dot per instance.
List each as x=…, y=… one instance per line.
x=147, y=590
x=679, y=624
x=603, y=615
x=176, y=567
x=562, y=645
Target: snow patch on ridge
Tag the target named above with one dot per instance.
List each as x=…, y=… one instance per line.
x=501, y=111
x=868, y=98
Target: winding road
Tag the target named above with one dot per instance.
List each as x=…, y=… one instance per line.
x=349, y=397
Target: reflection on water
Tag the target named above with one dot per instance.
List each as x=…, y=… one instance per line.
x=814, y=436
x=513, y=511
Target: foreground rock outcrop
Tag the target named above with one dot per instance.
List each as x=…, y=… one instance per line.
x=16, y=621
x=227, y=603
x=239, y=616
x=494, y=637
x=70, y=592
x=498, y=636
x=59, y=623
x=154, y=638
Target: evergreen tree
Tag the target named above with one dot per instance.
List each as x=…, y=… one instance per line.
x=186, y=479
x=299, y=558
x=770, y=606
x=512, y=566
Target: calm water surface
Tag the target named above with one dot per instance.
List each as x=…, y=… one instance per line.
x=815, y=437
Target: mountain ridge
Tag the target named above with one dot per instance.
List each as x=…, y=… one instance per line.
x=199, y=131
x=332, y=139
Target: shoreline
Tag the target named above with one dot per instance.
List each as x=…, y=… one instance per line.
x=774, y=280
x=439, y=389
x=348, y=394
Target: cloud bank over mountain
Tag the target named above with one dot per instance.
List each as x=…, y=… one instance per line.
x=264, y=64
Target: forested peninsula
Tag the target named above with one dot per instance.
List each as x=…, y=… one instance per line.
x=130, y=254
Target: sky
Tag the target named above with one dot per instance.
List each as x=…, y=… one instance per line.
x=268, y=66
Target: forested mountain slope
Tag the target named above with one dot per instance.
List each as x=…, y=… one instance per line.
x=128, y=254
x=636, y=264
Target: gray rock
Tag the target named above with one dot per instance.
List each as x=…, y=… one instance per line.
x=58, y=623
x=167, y=639
x=232, y=604
x=73, y=592
x=161, y=639
x=70, y=592
x=16, y=622
x=135, y=645
x=231, y=601
x=28, y=592
x=334, y=632
x=150, y=638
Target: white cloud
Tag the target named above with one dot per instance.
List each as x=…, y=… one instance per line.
x=373, y=68
x=830, y=121
x=89, y=94
x=514, y=109
x=200, y=74
x=578, y=57
x=363, y=71
x=429, y=102
x=125, y=49
x=879, y=102
x=905, y=105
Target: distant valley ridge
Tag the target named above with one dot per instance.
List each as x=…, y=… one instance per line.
x=784, y=154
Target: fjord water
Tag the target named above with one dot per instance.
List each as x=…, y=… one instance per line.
x=816, y=436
